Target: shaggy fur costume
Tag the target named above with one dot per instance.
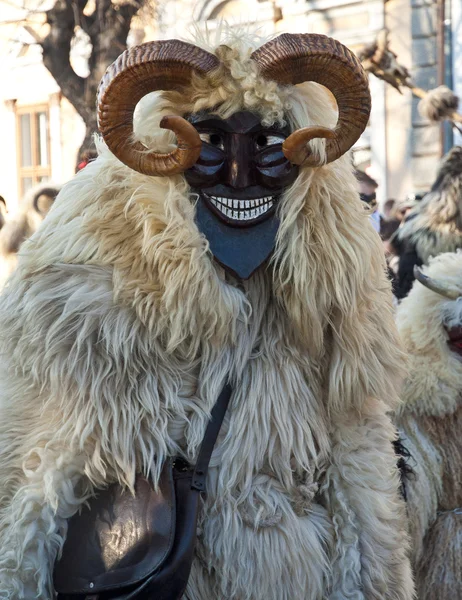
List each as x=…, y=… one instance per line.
x=118, y=331
x=435, y=225
x=430, y=422
x=34, y=207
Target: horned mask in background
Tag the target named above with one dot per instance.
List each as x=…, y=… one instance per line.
x=451, y=292
x=238, y=168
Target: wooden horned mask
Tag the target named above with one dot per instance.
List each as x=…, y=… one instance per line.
x=237, y=167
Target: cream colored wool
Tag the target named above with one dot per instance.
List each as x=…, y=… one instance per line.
x=430, y=422
x=118, y=331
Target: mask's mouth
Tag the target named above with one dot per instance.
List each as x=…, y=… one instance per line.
x=239, y=212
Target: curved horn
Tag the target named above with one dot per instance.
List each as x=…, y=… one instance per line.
x=436, y=285
x=296, y=58
x=164, y=65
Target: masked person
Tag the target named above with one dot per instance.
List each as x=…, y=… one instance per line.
x=434, y=225
x=429, y=421
x=233, y=253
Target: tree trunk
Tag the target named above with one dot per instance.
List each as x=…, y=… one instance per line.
x=108, y=27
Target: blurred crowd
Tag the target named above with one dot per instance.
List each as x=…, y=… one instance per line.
x=388, y=219
x=420, y=226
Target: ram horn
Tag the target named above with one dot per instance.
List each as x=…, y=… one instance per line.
x=436, y=285
x=165, y=65
x=295, y=58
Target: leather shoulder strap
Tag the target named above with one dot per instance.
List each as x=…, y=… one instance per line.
x=210, y=437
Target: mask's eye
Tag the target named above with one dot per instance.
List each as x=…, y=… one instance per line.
x=214, y=139
x=264, y=140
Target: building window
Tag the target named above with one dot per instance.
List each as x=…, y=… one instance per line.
x=34, y=146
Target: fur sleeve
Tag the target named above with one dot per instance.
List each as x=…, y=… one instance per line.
x=72, y=361
x=362, y=490
x=70, y=349
x=424, y=488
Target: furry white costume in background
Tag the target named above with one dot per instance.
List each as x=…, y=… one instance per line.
x=435, y=225
x=118, y=331
x=430, y=422
x=34, y=208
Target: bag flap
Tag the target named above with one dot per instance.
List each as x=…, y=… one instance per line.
x=119, y=539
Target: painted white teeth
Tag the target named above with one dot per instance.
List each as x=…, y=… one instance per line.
x=242, y=210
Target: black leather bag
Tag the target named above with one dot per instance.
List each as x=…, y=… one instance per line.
x=139, y=547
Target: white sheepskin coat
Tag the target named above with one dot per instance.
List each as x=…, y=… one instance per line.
x=118, y=331
x=430, y=422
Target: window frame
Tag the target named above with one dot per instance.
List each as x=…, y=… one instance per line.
x=34, y=171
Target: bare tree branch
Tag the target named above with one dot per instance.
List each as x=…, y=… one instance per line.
x=31, y=31
x=439, y=104
x=56, y=56
x=107, y=27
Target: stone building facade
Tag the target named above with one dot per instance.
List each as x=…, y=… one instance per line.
x=399, y=148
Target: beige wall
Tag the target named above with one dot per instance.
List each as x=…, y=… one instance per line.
x=398, y=106
x=456, y=28
x=413, y=144
x=26, y=82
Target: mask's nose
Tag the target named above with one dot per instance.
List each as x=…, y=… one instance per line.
x=240, y=172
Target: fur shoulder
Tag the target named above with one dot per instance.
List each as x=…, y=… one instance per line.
x=68, y=347
x=52, y=312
